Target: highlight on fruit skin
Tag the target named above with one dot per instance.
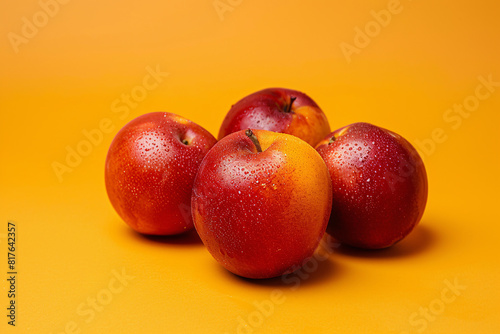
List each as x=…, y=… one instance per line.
x=379, y=183
x=280, y=110
x=150, y=169
x=261, y=202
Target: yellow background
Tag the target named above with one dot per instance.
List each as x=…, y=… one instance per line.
x=65, y=77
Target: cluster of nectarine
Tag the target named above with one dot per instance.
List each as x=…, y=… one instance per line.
x=263, y=195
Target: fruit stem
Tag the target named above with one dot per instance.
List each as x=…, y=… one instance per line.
x=288, y=107
x=254, y=139
x=331, y=140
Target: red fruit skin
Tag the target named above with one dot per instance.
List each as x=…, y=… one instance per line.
x=379, y=185
x=150, y=172
x=261, y=215
x=265, y=110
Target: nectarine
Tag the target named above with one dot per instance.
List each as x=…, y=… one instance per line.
x=261, y=202
x=150, y=169
x=379, y=185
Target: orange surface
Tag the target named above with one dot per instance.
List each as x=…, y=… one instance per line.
x=91, y=66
